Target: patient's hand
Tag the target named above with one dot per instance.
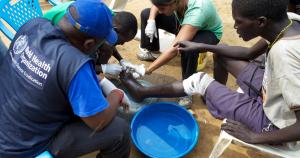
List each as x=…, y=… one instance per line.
x=132, y=85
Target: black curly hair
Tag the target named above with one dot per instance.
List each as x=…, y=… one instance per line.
x=275, y=10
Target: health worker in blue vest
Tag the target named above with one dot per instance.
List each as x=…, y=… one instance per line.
x=50, y=98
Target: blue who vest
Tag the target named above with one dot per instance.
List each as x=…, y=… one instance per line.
x=34, y=80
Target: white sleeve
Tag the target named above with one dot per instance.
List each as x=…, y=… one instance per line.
x=107, y=86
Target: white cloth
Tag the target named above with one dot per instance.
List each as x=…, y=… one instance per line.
x=196, y=84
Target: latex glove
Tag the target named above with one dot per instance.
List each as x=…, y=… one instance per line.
x=108, y=86
x=137, y=70
x=126, y=64
x=113, y=69
x=140, y=69
x=151, y=30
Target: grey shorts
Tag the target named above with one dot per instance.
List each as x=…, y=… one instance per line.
x=246, y=107
x=250, y=79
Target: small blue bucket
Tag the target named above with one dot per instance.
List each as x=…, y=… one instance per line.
x=164, y=130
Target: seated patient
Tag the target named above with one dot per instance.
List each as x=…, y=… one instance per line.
x=268, y=112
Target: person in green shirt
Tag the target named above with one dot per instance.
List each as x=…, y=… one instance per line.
x=125, y=24
x=192, y=20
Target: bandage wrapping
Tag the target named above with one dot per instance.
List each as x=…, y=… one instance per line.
x=197, y=83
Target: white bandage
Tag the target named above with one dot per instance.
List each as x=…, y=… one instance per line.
x=196, y=84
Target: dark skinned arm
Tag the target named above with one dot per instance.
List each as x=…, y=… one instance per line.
x=104, y=54
x=139, y=92
x=237, y=52
x=116, y=54
x=287, y=134
x=292, y=7
x=100, y=120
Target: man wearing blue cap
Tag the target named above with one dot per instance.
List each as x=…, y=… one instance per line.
x=125, y=24
x=50, y=98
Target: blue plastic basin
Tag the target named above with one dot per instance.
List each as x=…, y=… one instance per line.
x=164, y=130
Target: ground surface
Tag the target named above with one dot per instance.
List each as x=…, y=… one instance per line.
x=209, y=126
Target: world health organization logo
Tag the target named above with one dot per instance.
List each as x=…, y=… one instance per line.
x=20, y=44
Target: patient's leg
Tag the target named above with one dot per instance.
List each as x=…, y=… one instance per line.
x=135, y=89
x=140, y=92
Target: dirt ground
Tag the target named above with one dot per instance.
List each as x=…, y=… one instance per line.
x=209, y=126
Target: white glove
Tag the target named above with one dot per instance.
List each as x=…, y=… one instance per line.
x=151, y=30
x=139, y=70
x=197, y=83
x=113, y=69
x=126, y=64
x=108, y=86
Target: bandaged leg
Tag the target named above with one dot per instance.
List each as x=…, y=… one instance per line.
x=197, y=83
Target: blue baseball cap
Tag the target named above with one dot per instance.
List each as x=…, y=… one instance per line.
x=94, y=19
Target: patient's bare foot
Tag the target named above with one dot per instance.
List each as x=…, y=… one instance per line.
x=134, y=88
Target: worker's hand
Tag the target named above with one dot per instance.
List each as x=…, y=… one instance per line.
x=148, y=71
x=107, y=87
x=124, y=101
x=112, y=69
x=126, y=64
x=240, y=131
x=188, y=46
x=136, y=70
x=151, y=30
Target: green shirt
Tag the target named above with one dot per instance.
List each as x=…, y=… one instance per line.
x=57, y=12
x=203, y=15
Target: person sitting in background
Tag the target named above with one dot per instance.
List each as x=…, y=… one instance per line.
x=268, y=112
x=124, y=23
x=50, y=98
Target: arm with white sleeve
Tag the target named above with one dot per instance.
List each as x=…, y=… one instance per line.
x=87, y=100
